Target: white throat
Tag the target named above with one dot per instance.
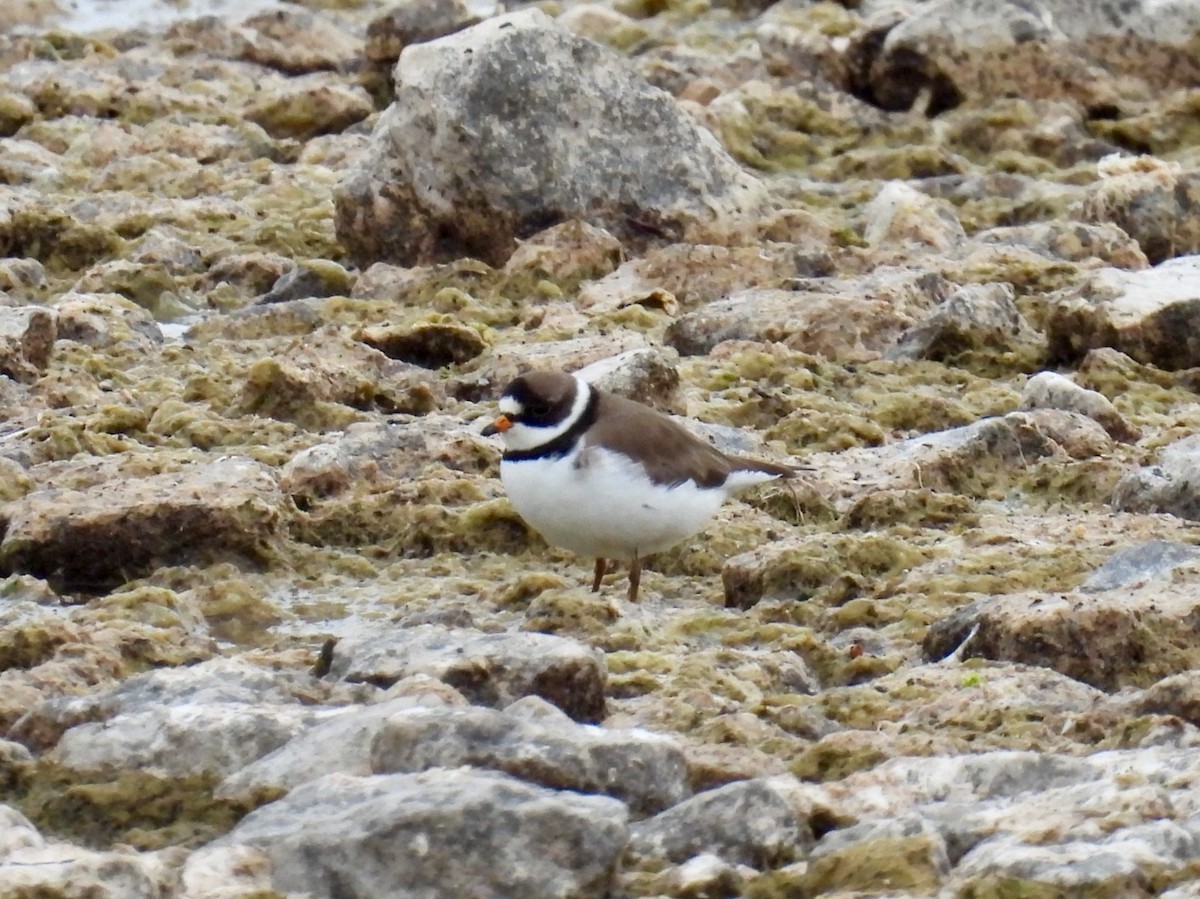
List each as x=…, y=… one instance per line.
x=522, y=437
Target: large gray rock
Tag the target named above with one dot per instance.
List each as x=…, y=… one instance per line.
x=1173, y=485
x=843, y=319
x=217, y=682
x=1155, y=201
x=1063, y=826
x=489, y=669
x=516, y=124
x=339, y=743
x=753, y=822
x=62, y=869
x=1050, y=390
x=215, y=739
x=1151, y=315
x=939, y=54
x=1127, y=566
x=438, y=833
x=975, y=319
x=645, y=770
x=125, y=528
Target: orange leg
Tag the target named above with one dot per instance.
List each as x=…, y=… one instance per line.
x=600, y=568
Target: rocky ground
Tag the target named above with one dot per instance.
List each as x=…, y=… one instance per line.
x=268, y=625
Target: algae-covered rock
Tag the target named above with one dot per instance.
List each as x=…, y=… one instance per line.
x=98, y=538
x=1130, y=635
x=27, y=335
x=307, y=106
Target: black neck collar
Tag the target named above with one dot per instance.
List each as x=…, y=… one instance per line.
x=564, y=442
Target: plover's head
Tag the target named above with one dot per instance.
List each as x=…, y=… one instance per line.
x=537, y=408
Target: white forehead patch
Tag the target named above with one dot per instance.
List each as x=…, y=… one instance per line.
x=509, y=406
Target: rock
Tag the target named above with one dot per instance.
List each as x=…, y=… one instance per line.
x=226, y=872
x=1177, y=695
x=901, y=216
x=415, y=23
x=60, y=869
x=310, y=278
x=1050, y=390
x=1149, y=315
x=1173, y=485
x=106, y=321
x=602, y=24
x=427, y=344
x=340, y=743
x=1144, y=561
x=304, y=107
x=16, y=832
x=906, y=854
x=150, y=286
x=1114, y=865
x=1154, y=202
x=689, y=275
x=489, y=669
x=944, y=53
x=297, y=41
x=459, y=165
x=213, y=739
x=847, y=321
x=645, y=375
x=98, y=538
x=1071, y=241
x=27, y=335
x=501, y=364
x=207, y=685
x=644, y=770
x=319, y=380
x=441, y=832
x=754, y=822
x=977, y=319
x=1005, y=815
x=568, y=253
x=382, y=456
x=1126, y=636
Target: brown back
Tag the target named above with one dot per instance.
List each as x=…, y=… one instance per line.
x=671, y=454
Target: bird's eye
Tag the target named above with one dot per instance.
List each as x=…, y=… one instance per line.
x=537, y=410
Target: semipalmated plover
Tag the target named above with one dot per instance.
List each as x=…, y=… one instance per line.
x=606, y=477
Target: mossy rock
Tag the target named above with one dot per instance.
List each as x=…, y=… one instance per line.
x=144, y=810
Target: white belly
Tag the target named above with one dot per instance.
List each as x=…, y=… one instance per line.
x=595, y=503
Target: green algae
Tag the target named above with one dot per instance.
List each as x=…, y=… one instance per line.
x=821, y=570
x=897, y=863
x=61, y=242
x=416, y=520
x=572, y=612
x=920, y=508
x=141, y=809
